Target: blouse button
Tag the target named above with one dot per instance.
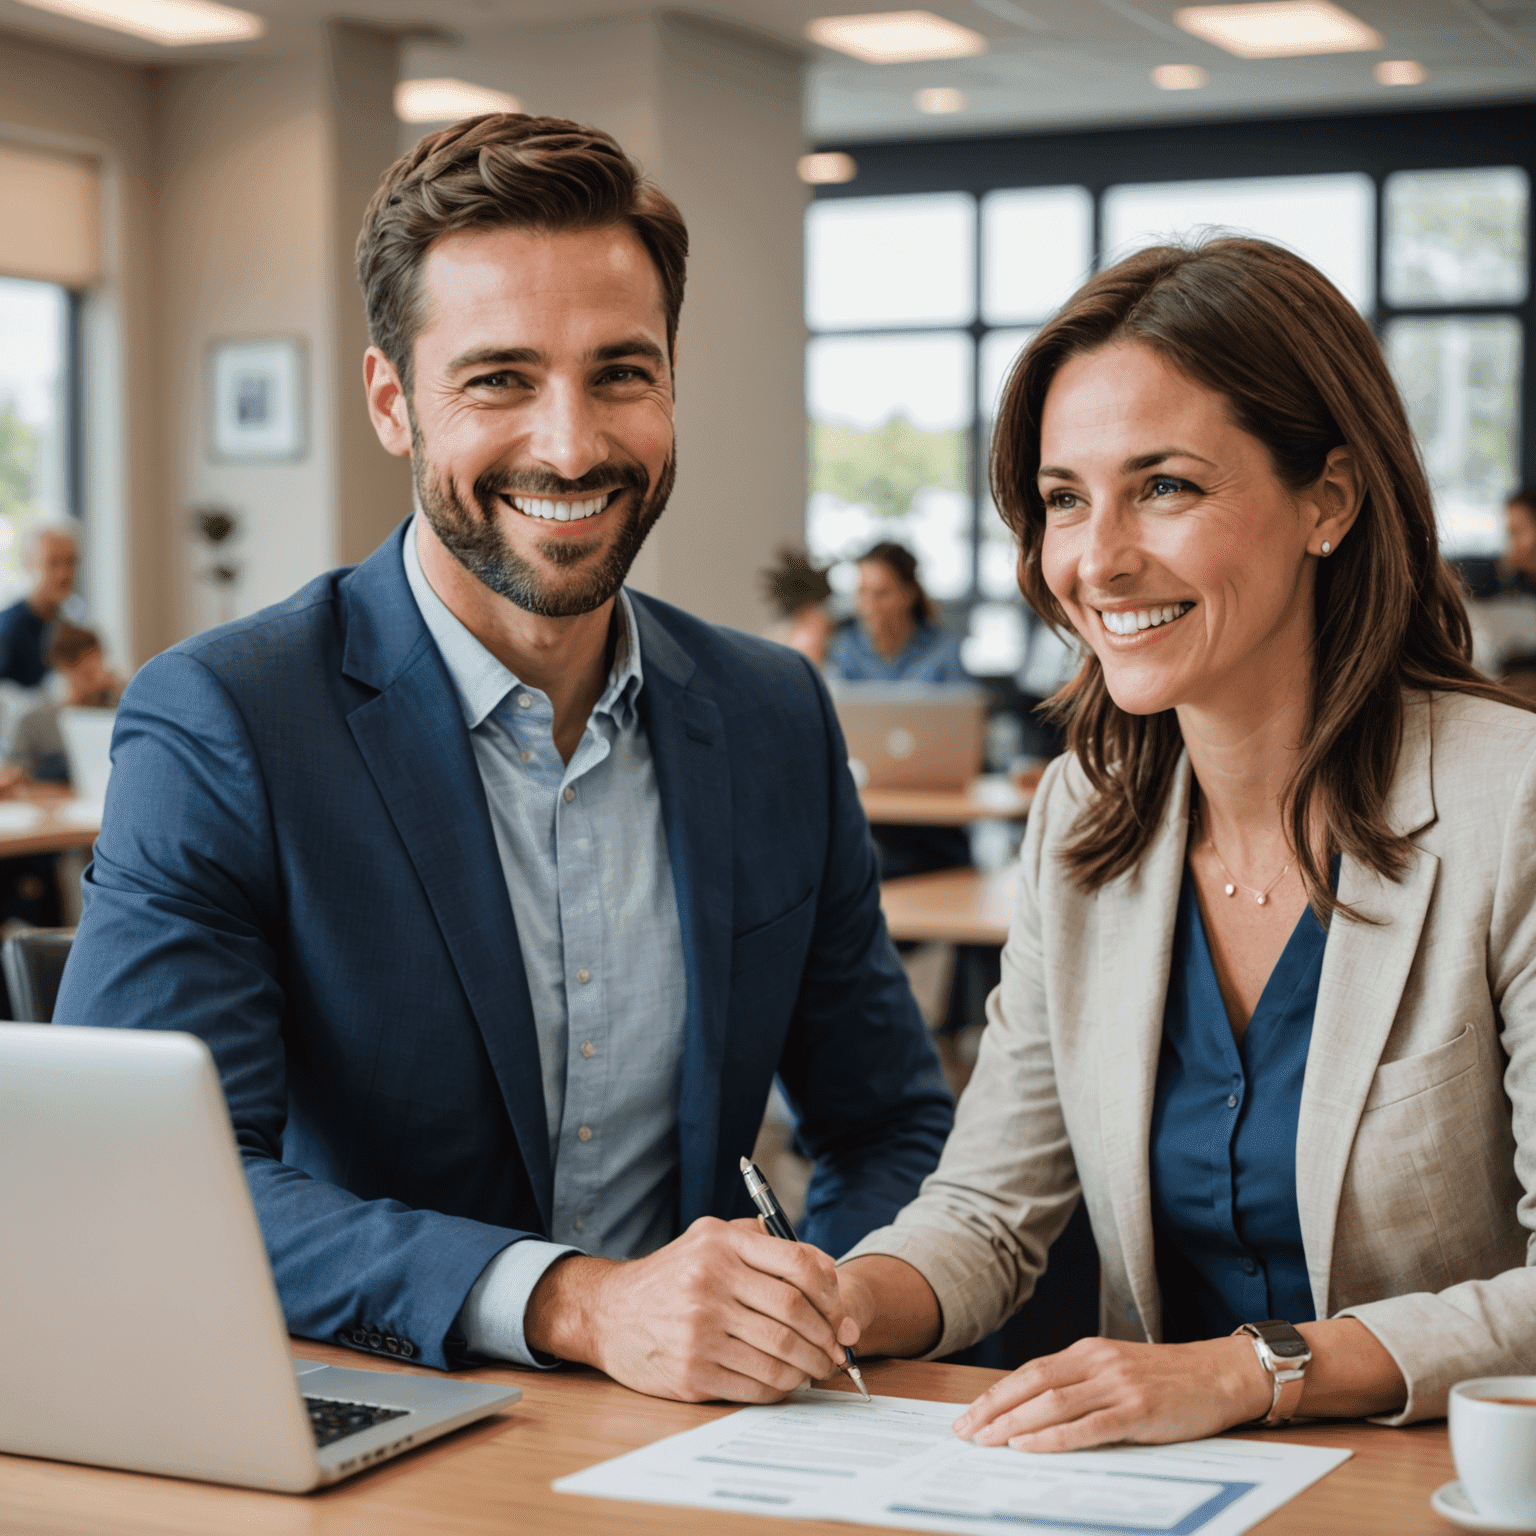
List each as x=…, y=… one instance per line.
x=1249, y=1267
x=1231, y=1101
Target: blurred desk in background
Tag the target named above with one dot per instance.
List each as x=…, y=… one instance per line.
x=993, y=798
x=46, y=823
x=952, y=906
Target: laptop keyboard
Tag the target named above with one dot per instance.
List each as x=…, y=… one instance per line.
x=332, y=1420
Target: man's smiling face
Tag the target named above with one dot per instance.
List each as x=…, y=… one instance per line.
x=542, y=409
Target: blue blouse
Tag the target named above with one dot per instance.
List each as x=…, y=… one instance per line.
x=1223, y=1153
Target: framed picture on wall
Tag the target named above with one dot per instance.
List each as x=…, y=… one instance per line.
x=257, y=405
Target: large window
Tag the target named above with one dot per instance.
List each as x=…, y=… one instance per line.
x=34, y=414
x=919, y=301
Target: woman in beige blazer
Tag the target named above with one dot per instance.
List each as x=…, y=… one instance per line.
x=1214, y=483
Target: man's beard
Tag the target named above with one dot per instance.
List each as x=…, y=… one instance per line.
x=475, y=538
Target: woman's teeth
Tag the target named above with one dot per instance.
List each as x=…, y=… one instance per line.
x=562, y=511
x=1126, y=621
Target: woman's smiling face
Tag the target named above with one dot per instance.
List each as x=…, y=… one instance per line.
x=1169, y=541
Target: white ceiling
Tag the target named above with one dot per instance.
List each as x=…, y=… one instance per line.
x=1051, y=63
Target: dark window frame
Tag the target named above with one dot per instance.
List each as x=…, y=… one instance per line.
x=1375, y=143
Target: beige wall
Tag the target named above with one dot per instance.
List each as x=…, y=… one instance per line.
x=243, y=253
x=714, y=116
x=265, y=168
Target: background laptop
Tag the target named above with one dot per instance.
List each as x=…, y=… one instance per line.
x=142, y=1327
x=912, y=735
x=87, y=737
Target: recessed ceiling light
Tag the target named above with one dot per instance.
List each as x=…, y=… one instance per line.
x=896, y=37
x=1400, y=72
x=828, y=170
x=175, y=23
x=1279, y=29
x=446, y=100
x=1179, y=77
x=938, y=99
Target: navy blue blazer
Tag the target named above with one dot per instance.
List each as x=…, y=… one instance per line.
x=297, y=865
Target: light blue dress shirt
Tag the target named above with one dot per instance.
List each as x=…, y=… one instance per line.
x=584, y=854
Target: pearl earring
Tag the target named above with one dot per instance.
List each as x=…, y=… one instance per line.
x=1327, y=547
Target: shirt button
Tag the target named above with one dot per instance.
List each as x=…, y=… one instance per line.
x=570, y=794
x=588, y=1049
x=584, y=1134
x=1249, y=1267
x=524, y=702
x=525, y=755
x=583, y=976
x=579, y=1224
x=1231, y=1101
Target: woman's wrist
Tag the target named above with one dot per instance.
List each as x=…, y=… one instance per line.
x=1245, y=1382
x=894, y=1306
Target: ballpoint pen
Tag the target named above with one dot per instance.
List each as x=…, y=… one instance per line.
x=778, y=1225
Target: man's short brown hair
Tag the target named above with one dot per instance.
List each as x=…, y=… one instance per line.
x=70, y=644
x=500, y=171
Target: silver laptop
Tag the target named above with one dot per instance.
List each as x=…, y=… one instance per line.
x=912, y=735
x=141, y=1325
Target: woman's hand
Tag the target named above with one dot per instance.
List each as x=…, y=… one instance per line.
x=1105, y=1390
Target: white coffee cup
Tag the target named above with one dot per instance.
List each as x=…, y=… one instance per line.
x=1494, y=1444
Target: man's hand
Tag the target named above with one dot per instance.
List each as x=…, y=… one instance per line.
x=1103, y=1390
x=725, y=1311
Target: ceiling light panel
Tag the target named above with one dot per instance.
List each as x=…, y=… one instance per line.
x=1279, y=29
x=827, y=170
x=1179, y=77
x=445, y=100
x=173, y=23
x=1400, y=72
x=896, y=37
x=936, y=100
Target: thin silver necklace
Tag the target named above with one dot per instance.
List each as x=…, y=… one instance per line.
x=1232, y=887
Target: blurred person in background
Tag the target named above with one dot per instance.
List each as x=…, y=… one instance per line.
x=799, y=591
x=37, y=750
x=50, y=558
x=897, y=638
x=1502, y=600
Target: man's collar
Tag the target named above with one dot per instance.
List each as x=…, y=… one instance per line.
x=482, y=682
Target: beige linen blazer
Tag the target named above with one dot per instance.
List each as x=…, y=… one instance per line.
x=1416, y=1145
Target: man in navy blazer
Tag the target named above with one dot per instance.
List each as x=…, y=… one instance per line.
x=500, y=893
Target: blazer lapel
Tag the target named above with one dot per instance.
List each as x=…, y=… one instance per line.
x=693, y=777
x=1365, y=968
x=413, y=739
x=1138, y=914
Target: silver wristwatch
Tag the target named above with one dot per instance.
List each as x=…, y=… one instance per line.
x=1284, y=1354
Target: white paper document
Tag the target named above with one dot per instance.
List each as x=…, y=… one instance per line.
x=829, y=1456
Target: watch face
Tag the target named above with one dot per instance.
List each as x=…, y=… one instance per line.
x=1284, y=1342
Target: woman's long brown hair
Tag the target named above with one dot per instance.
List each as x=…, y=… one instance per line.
x=1303, y=373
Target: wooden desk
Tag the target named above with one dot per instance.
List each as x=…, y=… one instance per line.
x=495, y=1477
x=953, y=906
x=61, y=823
x=987, y=800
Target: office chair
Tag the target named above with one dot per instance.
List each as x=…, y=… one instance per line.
x=33, y=966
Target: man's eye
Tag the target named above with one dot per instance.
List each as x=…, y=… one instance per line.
x=492, y=381
x=625, y=376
